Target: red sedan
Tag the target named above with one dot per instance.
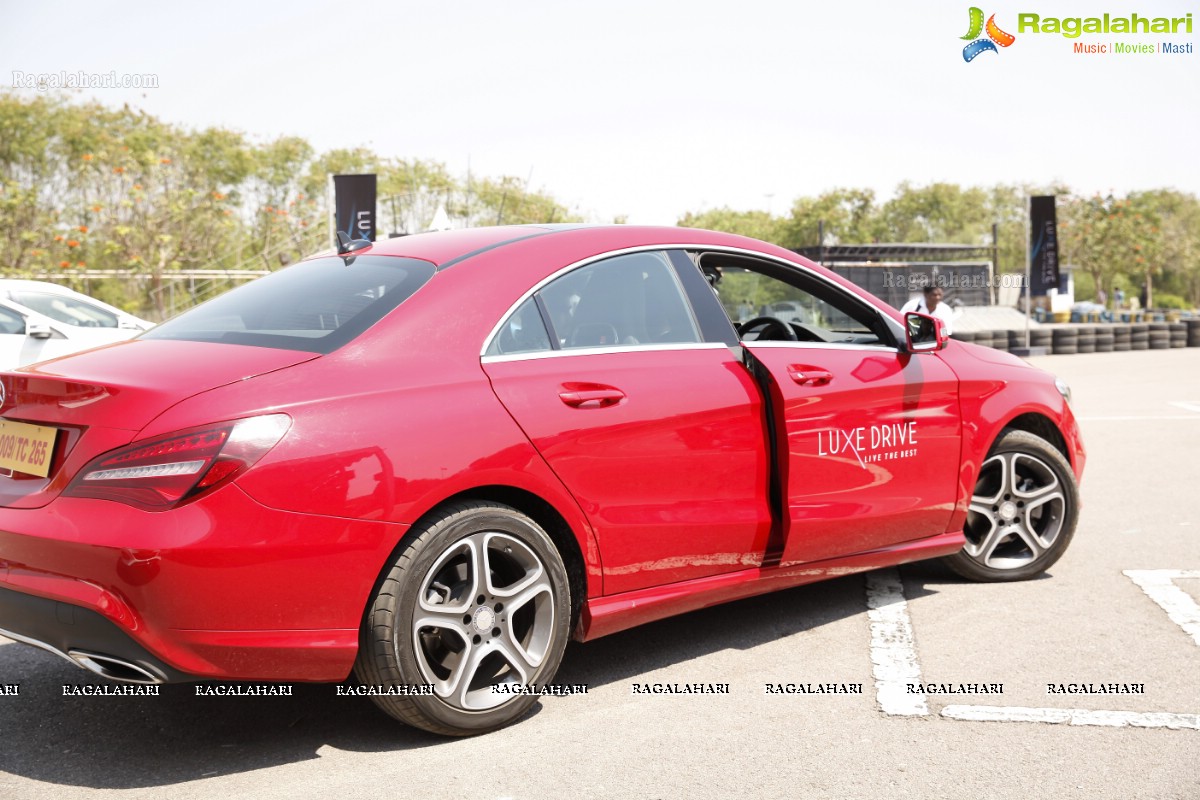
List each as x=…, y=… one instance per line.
x=434, y=460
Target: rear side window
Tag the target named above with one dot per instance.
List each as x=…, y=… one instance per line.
x=624, y=301
x=315, y=306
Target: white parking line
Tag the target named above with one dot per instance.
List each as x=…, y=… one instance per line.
x=895, y=665
x=1159, y=585
x=893, y=649
x=1074, y=716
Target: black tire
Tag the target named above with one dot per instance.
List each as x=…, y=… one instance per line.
x=964, y=336
x=1139, y=344
x=1121, y=346
x=1025, y=542
x=435, y=577
x=1160, y=344
x=1065, y=350
x=1105, y=344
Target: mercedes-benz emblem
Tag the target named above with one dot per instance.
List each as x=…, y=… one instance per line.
x=3, y=394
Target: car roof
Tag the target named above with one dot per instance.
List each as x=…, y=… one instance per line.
x=446, y=248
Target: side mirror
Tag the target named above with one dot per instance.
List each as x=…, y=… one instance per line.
x=38, y=330
x=924, y=332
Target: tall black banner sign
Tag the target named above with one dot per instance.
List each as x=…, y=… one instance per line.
x=354, y=204
x=1043, y=245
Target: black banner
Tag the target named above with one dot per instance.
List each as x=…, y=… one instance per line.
x=354, y=201
x=1043, y=245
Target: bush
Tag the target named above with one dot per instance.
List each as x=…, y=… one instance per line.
x=1163, y=300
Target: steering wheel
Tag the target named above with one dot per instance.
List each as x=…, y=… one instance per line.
x=771, y=328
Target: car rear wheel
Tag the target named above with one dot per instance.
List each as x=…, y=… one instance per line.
x=477, y=598
x=1022, y=514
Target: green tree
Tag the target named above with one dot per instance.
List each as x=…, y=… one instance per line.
x=755, y=224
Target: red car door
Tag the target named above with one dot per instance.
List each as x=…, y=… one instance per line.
x=873, y=442
x=867, y=436
x=657, y=433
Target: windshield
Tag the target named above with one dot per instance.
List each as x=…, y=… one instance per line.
x=315, y=306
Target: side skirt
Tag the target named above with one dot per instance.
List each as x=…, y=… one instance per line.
x=604, y=615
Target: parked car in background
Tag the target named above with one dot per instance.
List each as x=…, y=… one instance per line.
x=40, y=320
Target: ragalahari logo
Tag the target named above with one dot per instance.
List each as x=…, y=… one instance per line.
x=995, y=36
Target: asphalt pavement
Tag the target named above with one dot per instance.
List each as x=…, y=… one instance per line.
x=1114, y=612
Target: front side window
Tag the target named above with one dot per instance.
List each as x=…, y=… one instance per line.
x=315, y=306
x=770, y=302
x=65, y=309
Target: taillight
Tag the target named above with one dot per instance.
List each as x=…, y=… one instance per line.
x=160, y=473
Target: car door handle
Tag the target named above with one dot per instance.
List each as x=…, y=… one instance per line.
x=807, y=376
x=598, y=397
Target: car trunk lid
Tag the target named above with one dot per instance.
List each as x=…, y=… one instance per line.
x=91, y=402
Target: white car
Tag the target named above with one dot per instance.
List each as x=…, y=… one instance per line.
x=40, y=321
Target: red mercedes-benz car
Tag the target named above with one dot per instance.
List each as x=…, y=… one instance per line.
x=434, y=460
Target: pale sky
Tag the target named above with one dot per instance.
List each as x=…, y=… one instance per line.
x=652, y=109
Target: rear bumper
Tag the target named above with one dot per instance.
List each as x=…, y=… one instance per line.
x=222, y=588
x=81, y=636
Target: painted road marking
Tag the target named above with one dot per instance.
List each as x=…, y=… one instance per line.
x=1074, y=716
x=1138, y=418
x=895, y=665
x=1187, y=405
x=1159, y=586
x=893, y=649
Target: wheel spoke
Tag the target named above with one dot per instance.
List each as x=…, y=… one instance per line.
x=1000, y=464
x=443, y=626
x=480, y=568
x=465, y=674
x=517, y=656
x=1030, y=538
x=1040, y=494
x=527, y=594
x=988, y=543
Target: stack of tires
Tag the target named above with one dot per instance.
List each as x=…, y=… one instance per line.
x=999, y=340
x=1193, y=332
x=1085, y=339
x=1160, y=335
x=963, y=336
x=1121, y=338
x=1105, y=339
x=1139, y=336
x=1065, y=341
x=1179, y=334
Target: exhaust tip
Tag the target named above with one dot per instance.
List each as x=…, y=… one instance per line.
x=116, y=669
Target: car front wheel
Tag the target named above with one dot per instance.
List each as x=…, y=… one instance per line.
x=1022, y=514
x=469, y=622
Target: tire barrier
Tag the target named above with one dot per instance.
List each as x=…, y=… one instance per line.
x=1179, y=334
x=1086, y=340
x=1092, y=338
x=1065, y=341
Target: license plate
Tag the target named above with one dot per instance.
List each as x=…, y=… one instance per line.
x=26, y=448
